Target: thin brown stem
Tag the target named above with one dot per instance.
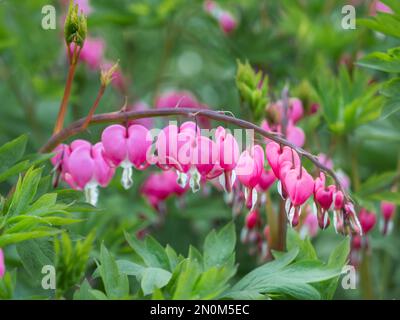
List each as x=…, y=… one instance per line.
x=94, y=107
x=117, y=117
x=67, y=91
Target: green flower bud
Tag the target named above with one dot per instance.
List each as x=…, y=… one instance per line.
x=75, y=27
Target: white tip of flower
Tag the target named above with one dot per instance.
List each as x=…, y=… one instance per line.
x=233, y=178
x=126, y=179
x=221, y=180
x=182, y=179
x=314, y=209
x=195, y=179
x=335, y=218
x=254, y=198
x=92, y=193
x=326, y=218
x=263, y=198
x=279, y=187
x=287, y=206
x=291, y=215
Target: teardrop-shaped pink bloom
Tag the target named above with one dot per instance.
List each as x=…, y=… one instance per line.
x=138, y=145
x=227, y=22
x=299, y=187
x=228, y=149
x=114, y=139
x=267, y=179
x=388, y=209
x=251, y=166
x=295, y=135
x=252, y=219
x=167, y=147
x=205, y=155
x=367, y=220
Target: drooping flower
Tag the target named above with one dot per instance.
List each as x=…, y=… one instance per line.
x=2, y=264
x=228, y=156
x=388, y=210
x=323, y=197
x=87, y=169
x=249, y=169
x=299, y=185
x=295, y=111
x=367, y=220
x=127, y=147
x=159, y=186
x=309, y=226
x=92, y=52
x=281, y=159
x=182, y=99
x=267, y=179
x=227, y=22
x=118, y=79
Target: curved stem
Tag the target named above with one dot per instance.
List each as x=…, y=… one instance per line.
x=121, y=116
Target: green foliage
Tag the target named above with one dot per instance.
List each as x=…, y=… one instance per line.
x=71, y=259
x=348, y=101
x=253, y=89
x=209, y=275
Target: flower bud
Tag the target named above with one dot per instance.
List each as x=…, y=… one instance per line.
x=75, y=27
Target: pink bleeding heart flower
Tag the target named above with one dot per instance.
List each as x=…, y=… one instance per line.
x=92, y=52
x=205, y=156
x=228, y=156
x=267, y=179
x=325, y=160
x=310, y=225
x=249, y=169
x=295, y=111
x=209, y=6
x=338, y=203
x=182, y=99
x=388, y=210
x=87, y=169
x=252, y=219
x=2, y=264
x=350, y=218
x=127, y=147
x=299, y=185
x=227, y=22
x=343, y=179
x=167, y=147
x=379, y=6
x=159, y=186
x=295, y=135
x=367, y=220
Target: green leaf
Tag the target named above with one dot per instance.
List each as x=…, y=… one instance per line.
x=219, y=246
x=7, y=239
x=11, y=152
x=129, y=268
x=154, y=278
x=387, y=62
x=85, y=292
x=14, y=170
x=25, y=191
x=34, y=255
x=116, y=285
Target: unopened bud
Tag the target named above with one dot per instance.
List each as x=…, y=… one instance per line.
x=75, y=27
x=107, y=75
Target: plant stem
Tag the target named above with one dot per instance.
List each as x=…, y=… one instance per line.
x=67, y=91
x=121, y=116
x=94, y=107
x=282, y=227
x=365, y=274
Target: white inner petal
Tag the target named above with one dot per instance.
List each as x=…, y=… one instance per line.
x=182, y=179
x=126, y=179
x=92, y=193
x=195, y=179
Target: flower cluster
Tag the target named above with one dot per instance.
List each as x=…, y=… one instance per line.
x=294, y=112
x=189, y=157
x=226, y=20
